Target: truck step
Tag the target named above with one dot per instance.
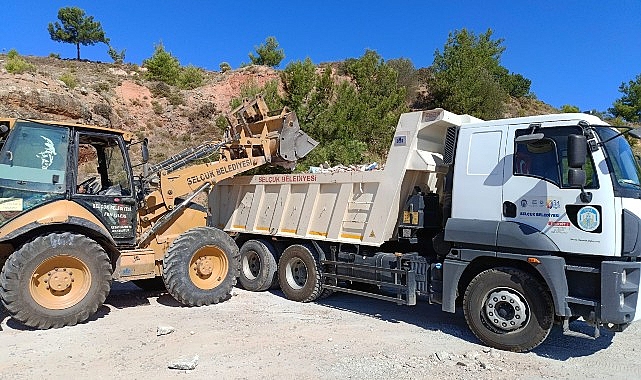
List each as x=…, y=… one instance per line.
x=410, y=301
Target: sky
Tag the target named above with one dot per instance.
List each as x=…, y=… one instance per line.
x=574, y=52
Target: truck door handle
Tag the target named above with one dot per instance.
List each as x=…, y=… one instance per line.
x=509, y=209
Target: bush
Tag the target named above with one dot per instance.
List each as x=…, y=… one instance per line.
x=176, y=99
x=268, y=53
x=69, y=79
x=162, y=66
x=190, y=77
x=156, y=107
x=103, y=110
x=225, y=67
x=101, y=87
x=118, y=57
x=568, y=108
x=160, y=90
x=54, y=55
x=15, y=64
x=222, y=123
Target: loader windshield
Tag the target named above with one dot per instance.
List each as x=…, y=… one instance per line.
x=33, y=162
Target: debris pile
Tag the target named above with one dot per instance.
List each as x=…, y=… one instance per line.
x=325, y=168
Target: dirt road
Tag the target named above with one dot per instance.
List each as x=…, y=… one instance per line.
x=265, y=336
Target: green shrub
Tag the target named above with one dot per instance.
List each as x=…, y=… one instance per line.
x=69, y=79
x=157, y=107
x=103, y=110
x=15, y=64
x=118, y=57
x=101, y=87
x=176, y=98
x=225, y=67
x=569, y=108
x=222, y=123
x=160, y=90
x=162, y=66
x=190, y=77
x=54, y=55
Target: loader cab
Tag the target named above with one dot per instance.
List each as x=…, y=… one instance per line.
x=103, y=181
x=43, y=162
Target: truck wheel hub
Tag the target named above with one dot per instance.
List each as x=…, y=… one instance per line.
x=506, y=310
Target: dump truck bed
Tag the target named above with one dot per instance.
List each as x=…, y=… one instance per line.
x=349, y=207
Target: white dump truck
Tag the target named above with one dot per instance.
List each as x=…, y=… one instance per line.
x=525, y=222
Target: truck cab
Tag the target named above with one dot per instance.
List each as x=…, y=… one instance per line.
x=561, y=193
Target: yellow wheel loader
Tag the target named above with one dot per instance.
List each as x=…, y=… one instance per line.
x=74, y=216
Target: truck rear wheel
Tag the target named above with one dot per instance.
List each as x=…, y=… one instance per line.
x=56, y=280
x=200, y=267
x=508, y=309
x=257, y=266
x=298, y=274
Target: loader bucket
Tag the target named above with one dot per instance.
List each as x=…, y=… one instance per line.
x=287, y=143
x=294, y=143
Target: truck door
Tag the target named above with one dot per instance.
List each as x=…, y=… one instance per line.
x=103, y=183
x=536, y=192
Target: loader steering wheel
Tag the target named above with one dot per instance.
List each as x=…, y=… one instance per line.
x=87, y=186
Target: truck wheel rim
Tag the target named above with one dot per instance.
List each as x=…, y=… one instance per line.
x=251, y=265
x=60, y=282
x=296, y=273
x=506, y=309
x=208, y=267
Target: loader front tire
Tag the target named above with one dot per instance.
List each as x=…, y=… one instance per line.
x=257, y=266
x=201, y=266
x=55, y=280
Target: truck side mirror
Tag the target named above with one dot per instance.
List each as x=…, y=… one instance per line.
x=576, y=177
x=145, y=150
x=577, y=151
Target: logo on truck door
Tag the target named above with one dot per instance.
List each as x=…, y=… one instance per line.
x=586, y=218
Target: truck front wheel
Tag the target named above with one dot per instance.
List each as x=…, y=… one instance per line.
x=200, y=267
x=508, y=309
x=298, y=274
x=55, y=280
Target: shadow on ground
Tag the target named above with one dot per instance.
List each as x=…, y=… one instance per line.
x=558, y=346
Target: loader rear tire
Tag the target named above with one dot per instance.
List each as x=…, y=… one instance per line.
x=299, y=274
x=55, y=280
x=258, y=266
x=200, y=267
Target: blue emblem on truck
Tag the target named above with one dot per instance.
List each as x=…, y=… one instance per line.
x=588, y=218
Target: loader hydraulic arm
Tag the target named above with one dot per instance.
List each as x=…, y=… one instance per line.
x=254, y=139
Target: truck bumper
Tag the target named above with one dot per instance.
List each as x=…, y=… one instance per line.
x=620, y=292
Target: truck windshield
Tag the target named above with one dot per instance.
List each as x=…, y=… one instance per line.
x=623, y=164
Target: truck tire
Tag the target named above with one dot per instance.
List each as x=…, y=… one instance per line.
x=155, y=284
x=200, y=267
x=508, y=309
x=257, y=266
x=299, y=274
x=55, y=280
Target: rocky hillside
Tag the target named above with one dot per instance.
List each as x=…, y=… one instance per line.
x=117, y=96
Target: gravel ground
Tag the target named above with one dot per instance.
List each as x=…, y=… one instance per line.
x=139, y=334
